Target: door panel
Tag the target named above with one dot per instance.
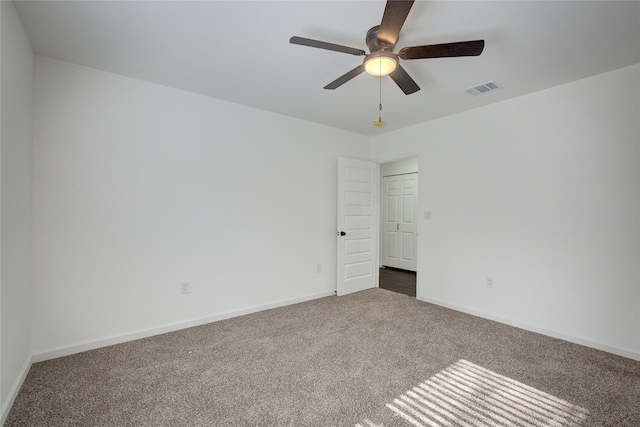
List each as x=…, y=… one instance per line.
x=392, y=208
x=392, y=245
x=407, y=208
x=357, y=218
x=407, y=246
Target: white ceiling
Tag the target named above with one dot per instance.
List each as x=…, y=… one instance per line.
x=239, y=51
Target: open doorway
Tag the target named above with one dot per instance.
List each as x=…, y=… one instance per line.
x=399, y=226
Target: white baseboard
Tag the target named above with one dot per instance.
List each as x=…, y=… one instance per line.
x=107, y=341
x=13, y=391
x=553, y=334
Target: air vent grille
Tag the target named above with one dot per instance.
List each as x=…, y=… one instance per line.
x=483, y=88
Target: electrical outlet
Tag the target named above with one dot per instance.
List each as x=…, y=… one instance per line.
x=184, y=287
x=319, y=268
x=489, y=282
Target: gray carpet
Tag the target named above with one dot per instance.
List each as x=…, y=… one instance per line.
x=374, y=358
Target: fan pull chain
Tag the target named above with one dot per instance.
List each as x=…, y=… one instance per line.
x=379, y=122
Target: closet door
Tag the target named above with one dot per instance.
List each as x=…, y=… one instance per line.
x=400, y=213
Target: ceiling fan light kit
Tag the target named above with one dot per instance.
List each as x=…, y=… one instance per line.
x=380, y=63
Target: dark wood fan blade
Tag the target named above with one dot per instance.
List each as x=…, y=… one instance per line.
x=470, y=48
x=395, y=13
x=328, y=46
x=345, y=78
x=404, y=80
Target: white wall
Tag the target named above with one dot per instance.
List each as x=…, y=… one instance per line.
x=542, y=193
x=15, y=205
x=138, y=187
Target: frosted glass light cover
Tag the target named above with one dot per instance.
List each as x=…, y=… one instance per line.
x=380, y=65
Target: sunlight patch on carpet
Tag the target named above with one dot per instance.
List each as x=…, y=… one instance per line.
x=465, y=394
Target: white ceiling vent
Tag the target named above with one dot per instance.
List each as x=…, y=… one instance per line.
x=483, y=88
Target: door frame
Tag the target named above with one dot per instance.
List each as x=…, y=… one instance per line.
x=388, y=159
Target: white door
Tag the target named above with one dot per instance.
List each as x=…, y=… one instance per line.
x=400, y=230
x=357, y=221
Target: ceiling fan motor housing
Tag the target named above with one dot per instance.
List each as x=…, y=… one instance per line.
x=373, y=43
x=381, y=61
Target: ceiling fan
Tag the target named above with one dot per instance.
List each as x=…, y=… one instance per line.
x=382, y=39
